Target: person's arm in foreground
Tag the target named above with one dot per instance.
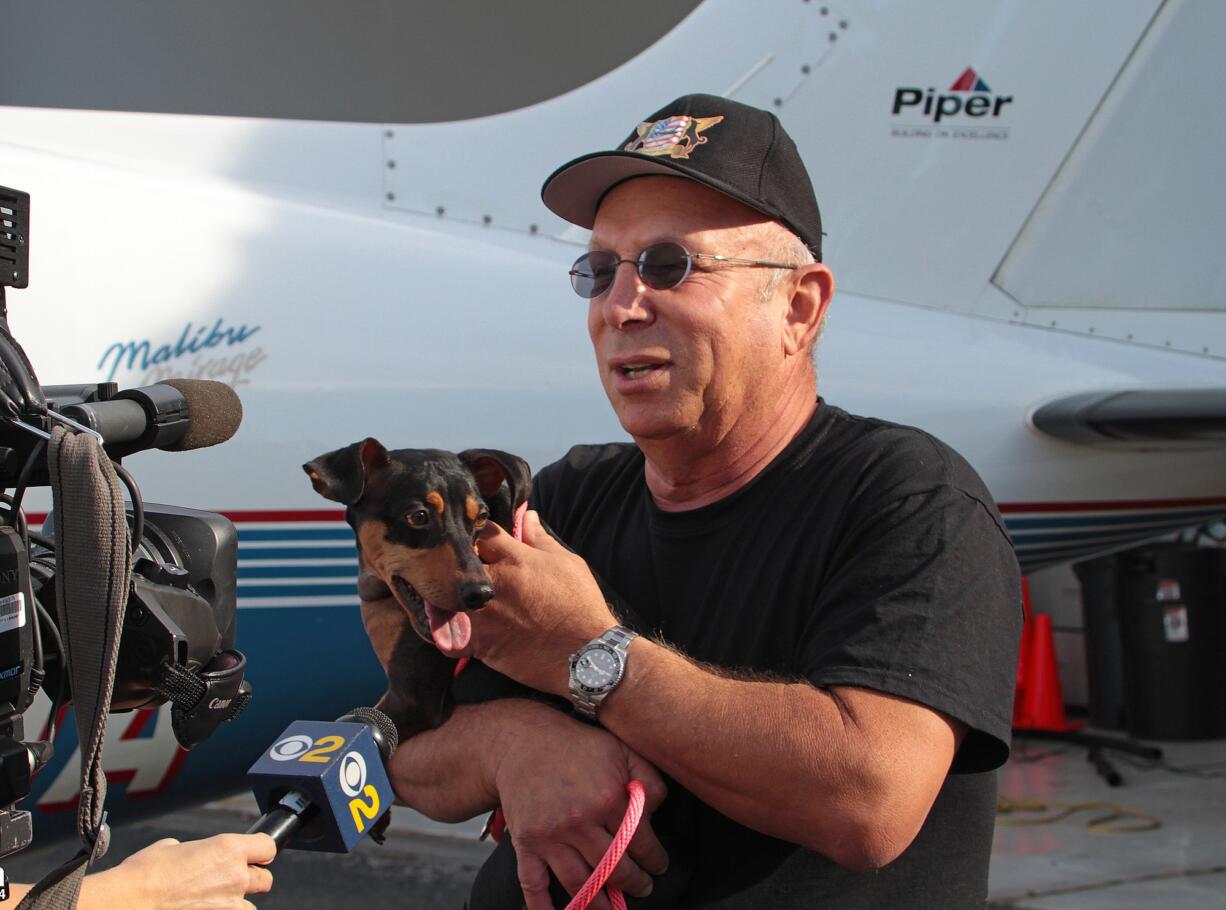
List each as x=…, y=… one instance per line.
x=211, y=874
x=848, y=772
x=546, y=769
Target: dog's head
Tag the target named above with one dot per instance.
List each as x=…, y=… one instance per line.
x=416, y=514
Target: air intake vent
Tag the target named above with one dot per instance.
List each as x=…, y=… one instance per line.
x=14, y=231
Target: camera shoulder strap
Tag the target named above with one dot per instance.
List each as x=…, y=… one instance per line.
x=92, y=581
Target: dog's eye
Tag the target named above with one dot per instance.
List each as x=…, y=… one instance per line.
x=418, y=518
x=482, y=518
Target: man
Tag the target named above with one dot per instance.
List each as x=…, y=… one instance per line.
x=827, y=605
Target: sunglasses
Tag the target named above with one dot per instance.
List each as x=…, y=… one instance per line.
x=661, y=266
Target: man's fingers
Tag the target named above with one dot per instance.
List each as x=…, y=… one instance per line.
x=569, y=867
x=534, y=881
x=537, y=537
x=259, y=880
x=628, y=875
x=494, y=543
x=647, y=851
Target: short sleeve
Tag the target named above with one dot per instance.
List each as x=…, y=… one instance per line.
x=924, y=602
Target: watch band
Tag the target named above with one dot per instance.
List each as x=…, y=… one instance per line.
x=617, y=640
x=619, y=637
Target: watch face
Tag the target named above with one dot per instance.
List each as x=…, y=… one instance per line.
x=597, y=667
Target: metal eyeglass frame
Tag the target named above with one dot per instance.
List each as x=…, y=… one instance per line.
x=689, y=262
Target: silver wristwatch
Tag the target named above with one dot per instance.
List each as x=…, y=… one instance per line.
x=597, y=668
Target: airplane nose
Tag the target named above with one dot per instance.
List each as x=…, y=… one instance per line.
x=474, y=594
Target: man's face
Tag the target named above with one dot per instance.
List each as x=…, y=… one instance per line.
x=691, y=361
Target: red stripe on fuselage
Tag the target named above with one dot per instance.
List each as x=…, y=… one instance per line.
x=241, y=515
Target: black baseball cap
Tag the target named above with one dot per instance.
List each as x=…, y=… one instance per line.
x=741, y=151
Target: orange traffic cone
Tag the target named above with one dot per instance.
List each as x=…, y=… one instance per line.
x=1040, y=702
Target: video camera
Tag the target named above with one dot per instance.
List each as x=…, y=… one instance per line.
x=177, y=638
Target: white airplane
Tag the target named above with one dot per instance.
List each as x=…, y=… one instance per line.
x=340, y=217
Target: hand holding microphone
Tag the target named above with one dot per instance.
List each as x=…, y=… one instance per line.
x=215, y=873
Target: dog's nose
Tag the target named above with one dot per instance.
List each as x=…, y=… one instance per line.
x=474, y=594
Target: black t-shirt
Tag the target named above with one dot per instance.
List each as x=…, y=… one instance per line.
x=867, y=554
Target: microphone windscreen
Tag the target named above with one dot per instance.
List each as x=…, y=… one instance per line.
x=213, y=409
x=373, y=717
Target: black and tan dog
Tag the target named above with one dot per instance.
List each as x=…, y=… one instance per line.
x=416, y=514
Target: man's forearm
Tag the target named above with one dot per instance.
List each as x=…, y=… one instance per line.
x=448, y=774
x=849, y=773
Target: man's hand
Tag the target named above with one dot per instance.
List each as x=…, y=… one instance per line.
x=563, y=789
x=547, y=605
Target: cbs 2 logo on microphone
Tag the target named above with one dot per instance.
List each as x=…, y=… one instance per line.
x=364, y=797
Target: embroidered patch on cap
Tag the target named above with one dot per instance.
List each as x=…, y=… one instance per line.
x=675, y=137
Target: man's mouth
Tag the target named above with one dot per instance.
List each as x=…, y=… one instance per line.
x=638, y=367
x=447, y=630
x=633, y=371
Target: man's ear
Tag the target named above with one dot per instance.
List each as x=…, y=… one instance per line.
x=492, y=469
x=812, y=290
x=341, y=475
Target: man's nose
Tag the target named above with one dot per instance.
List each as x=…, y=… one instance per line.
x=625, y=302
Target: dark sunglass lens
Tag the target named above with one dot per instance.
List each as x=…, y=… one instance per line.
x=664, y=265
x=592, y=273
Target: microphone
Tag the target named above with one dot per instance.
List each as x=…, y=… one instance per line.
x=174, y=415
x=323, y=785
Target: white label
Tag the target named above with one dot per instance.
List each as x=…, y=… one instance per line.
x=1168, y=589
x=1175, y=623
x=12, y=612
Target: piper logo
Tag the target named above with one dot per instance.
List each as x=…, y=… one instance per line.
x=968, y=109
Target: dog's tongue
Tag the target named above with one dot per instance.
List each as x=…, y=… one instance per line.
x=451, y=631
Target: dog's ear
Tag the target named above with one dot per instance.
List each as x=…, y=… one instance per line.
x=492, y=469
x=341, y=475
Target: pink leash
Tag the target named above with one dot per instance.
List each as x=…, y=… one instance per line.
x=634, y=812
x=617, y=849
